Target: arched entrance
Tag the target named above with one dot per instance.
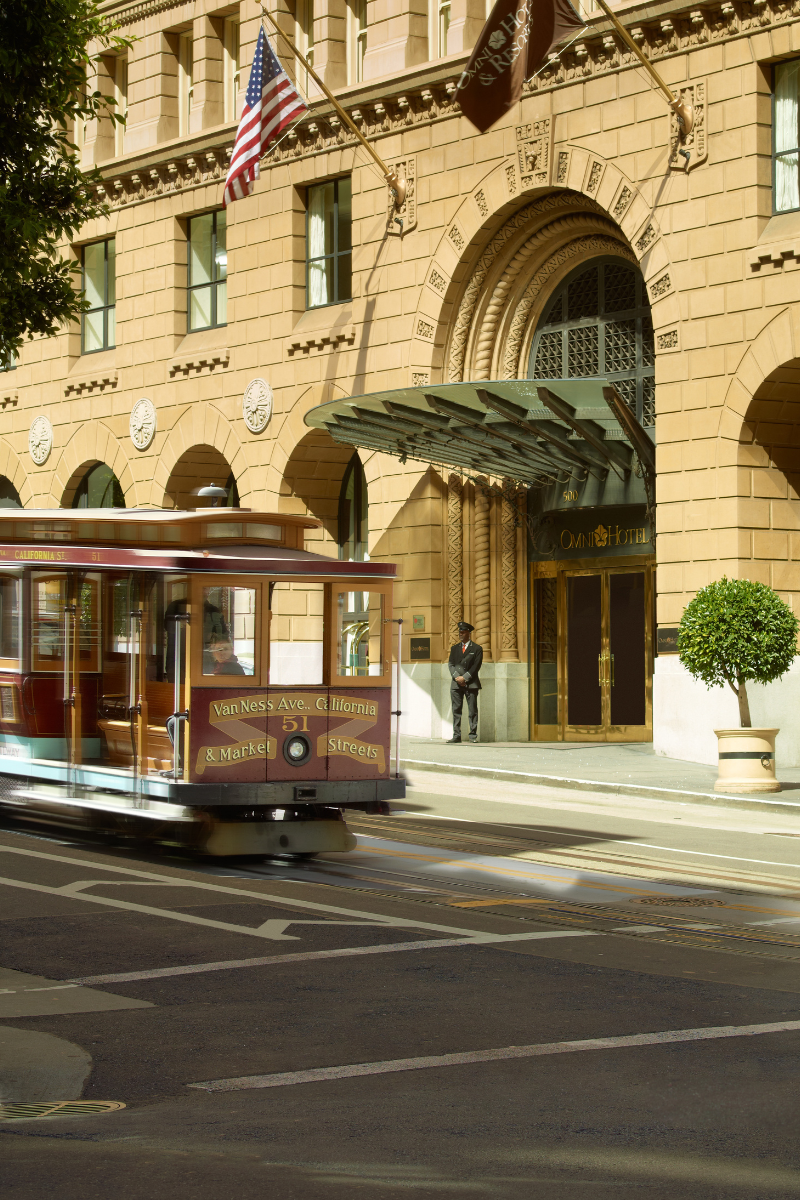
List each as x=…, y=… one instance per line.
x=9, y=496
x=198, y=467
x=98, y=488
x=592, y=569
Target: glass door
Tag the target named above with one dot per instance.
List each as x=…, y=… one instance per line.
x=591, y=644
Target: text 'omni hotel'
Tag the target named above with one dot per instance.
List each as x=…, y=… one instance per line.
x=445, y=387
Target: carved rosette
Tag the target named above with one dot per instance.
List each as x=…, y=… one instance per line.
x=40, y=440
x=483, y=606
x=455, y=557
x=509, y=650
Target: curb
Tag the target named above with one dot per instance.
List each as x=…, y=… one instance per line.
x=675, y=795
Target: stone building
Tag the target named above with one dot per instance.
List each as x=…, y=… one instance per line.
x=579, y=238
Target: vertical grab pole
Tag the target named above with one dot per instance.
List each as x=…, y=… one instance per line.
x=69, y=700
x=134, y=634
x=180, y=716
x=399, y=710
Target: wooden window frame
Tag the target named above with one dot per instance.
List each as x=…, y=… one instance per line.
x=260, y=678
x=330, y=676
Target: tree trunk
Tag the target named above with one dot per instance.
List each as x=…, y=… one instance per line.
x=744, y=706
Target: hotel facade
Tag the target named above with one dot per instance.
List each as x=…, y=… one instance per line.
x=581, y=241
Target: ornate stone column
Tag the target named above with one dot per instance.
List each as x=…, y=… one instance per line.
x=455, y=557
x=483, y=610
x=509, y=649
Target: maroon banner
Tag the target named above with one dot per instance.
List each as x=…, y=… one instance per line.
x=514, y=44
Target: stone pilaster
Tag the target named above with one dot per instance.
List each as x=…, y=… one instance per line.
x=455, y=557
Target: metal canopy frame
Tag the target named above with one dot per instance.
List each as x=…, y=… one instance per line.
x=536, y=433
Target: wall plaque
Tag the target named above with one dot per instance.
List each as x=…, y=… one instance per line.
x=257, y=405
x=667, y=639
x=420, y=649
x=40, y=440
x=143, y=423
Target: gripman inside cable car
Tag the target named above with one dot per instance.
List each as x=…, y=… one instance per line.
x=194, y=678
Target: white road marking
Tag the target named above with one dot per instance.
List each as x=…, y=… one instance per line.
x=280, y=901
x=433, y=1061
x=587, y=837
x=346, y=952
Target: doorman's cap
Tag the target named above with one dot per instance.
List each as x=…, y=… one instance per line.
x=464, y=625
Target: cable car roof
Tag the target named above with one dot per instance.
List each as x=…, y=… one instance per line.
x=533, y=431
x=212, y=539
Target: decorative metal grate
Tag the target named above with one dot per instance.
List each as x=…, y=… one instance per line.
x=58, y=1108
x=583, y=295
x=599, y=323
x=684, y=901
x=583, y=357
x=549, y=356
x=620, y=287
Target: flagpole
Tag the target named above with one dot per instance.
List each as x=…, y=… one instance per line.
x=684, y=112
x=396, y=185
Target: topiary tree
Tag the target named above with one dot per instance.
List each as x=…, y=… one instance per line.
x=734, y=631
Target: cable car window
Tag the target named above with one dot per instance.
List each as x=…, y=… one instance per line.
x=229, y=631
x=48, y=598
x=9, y=621
x=296, y=648
x=359, y=633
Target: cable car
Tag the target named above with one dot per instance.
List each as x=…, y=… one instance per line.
x=193, y=678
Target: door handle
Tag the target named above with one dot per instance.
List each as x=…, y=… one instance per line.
x=612, y=670
x=599, y=670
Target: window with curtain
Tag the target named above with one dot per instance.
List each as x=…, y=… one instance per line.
x=120, y=100
x=440, y=19
x=786, y=137
x=8, y=362
x=598, y=323
x=357, y=40
x=329, y=244
x=233, y=68
x=100, y=289
x=208, y=271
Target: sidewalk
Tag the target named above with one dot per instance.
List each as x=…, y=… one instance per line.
x=628, y=768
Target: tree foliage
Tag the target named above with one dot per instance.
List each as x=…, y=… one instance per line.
x=735, y=631
x=45, y=197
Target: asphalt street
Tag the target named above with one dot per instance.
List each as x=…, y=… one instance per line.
x=503, y=992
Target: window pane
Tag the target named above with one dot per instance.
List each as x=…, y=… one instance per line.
x=320, y=220
x=221, y=254
x=359, y=633
x=94, y=269
x=787, y=190
x=320, y=282
x=93, y=331
x=295, y=650
x=200, y=231
x=47, y=597
x=9, y=617
x=345, y=215
x=111, y=319
x=200, y=308
x=786, y=114
x=112, y=272
x=222, y=303
x=345, y=277
x=229, y=631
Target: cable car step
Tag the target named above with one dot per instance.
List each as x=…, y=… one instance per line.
x=123, y=805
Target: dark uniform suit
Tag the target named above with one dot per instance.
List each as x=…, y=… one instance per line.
x=465, y=662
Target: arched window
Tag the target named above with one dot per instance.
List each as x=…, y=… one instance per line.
x=233, y=492
x=598, y=323
x=99, y=488
x=353, y=528
x=9, y=496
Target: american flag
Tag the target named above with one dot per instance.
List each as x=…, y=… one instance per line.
x=270, y=105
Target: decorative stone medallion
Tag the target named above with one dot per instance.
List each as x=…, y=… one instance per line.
x=40, y=440
x=143, y=423
x=257, y=405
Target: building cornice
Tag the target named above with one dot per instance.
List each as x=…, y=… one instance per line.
x=426, y=95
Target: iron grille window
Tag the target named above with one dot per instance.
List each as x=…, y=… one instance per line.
x=208, y=271
x=100, y=289
x=329, y=244
x=598, y=324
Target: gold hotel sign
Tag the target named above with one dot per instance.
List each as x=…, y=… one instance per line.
x=592, y=533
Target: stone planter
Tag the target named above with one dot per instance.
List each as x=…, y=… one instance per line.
x=746, y=760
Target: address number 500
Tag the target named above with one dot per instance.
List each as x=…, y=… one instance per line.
x=570, y=495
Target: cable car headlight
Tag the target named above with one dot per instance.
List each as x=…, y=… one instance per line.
x=297, y=749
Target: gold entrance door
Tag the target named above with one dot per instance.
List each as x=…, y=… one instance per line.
x=592, y=655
